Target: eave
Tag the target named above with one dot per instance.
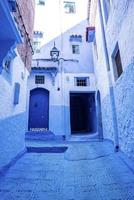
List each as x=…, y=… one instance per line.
x=8, y=27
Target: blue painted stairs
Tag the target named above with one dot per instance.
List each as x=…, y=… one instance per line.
x=43, y=135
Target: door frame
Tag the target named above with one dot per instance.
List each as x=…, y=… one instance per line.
x=80, y=92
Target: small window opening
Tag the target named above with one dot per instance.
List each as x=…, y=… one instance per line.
x=39, y=79
x=81, y=81
x=75, y=49
x=117, y=63
x=69, y=7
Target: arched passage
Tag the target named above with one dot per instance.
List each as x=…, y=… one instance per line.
x=39, y=109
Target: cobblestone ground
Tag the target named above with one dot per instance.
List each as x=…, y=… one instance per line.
x=86, y=171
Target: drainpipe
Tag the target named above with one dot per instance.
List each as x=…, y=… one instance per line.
x=111, y=90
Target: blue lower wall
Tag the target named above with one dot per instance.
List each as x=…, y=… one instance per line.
x=59, y=122
x=107, y=118
x=12, y=134
x=124, y=98
x=124, y=102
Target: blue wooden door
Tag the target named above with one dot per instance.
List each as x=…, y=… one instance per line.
x=39, y=109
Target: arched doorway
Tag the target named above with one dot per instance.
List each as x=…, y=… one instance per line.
x=39, y=109
x=99, y=116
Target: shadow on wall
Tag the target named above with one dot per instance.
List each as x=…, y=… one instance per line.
x=99, y=115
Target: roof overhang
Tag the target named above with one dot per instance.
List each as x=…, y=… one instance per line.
x=8, y=26
x=44, y=70
x=9, y=33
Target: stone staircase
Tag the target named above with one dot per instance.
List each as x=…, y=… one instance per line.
x=43, y=135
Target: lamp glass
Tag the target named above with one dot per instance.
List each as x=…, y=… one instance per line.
x=54, y=53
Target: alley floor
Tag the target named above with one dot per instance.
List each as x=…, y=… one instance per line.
x=85, y=171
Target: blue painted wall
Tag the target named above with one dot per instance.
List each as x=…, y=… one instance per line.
x=12, y=134
x=12, y=116
x=59, y=120
x=123, y=95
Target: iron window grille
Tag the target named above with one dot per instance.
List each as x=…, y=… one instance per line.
x=39, y=79
x=82, y=81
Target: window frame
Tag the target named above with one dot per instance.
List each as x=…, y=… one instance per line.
x=40, y=2
x=69, y=9
x=38, y=79
x=117, y=69
x=36, y=46
x=74, y=49
x=80, y=79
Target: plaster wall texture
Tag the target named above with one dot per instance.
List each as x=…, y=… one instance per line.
x=119, y=28
x=102, y=82
x=12, y=117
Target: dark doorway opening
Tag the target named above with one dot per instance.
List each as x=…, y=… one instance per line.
x=83, y=113
x=39, y=109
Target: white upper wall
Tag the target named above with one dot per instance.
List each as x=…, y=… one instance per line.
x=52, y=19
x=85, y=64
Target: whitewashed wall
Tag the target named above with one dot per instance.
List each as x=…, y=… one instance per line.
x=12, y=117
x=119, y=28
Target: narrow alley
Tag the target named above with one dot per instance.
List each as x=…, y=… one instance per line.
x=85, y=171
x=66, y=100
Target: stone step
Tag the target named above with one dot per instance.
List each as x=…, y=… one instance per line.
x=55, y=149
x=42, y=135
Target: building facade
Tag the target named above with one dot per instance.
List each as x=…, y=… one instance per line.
x=15, y=61
x=67, y=85
x=114, y=69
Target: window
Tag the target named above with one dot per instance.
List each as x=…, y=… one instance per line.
x=117, y=64
x=75, y=38
x=7, y=65
x=39, y=79
x=36, y=46
x=7, y=72
x=37, y=34
x=40, y=2
x=69, y=7
x=75, y=49
x=81, y=81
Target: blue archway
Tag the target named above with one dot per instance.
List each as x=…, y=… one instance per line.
x=39, y=109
